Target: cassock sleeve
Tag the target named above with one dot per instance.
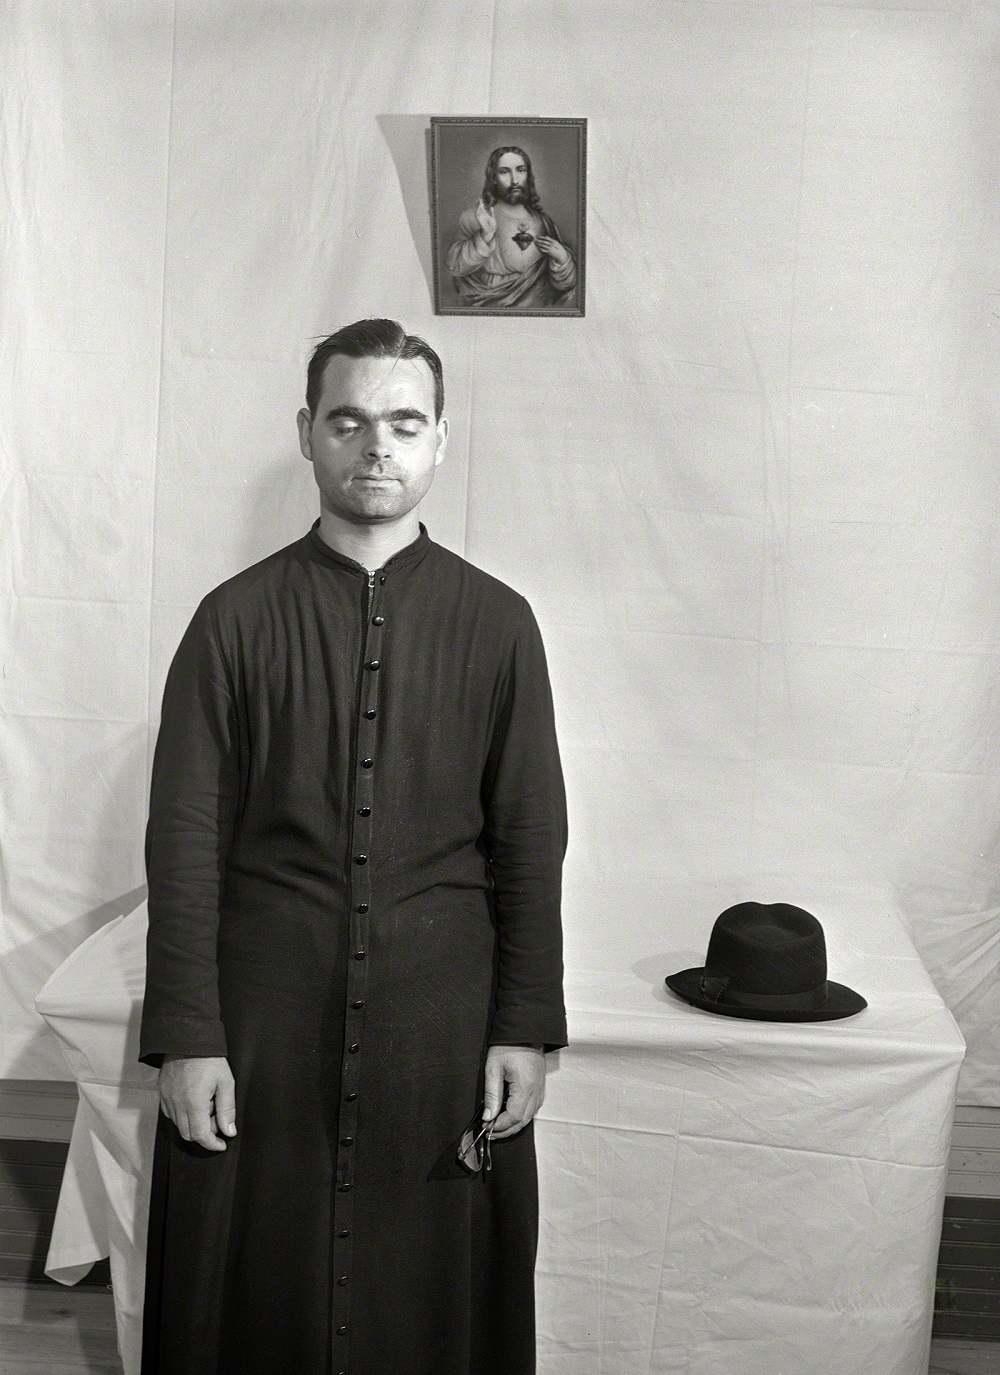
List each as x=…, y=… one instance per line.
x=525, y=835
x=193, y=803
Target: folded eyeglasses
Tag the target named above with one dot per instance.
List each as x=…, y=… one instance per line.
x=474, y=1148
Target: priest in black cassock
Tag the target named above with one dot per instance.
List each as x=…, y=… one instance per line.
x=355, y=842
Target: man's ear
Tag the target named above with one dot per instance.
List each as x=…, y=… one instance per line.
x=304, y=422
x=442, y=441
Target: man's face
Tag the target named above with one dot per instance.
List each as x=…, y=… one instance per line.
x=373, y=441
x=510, y=180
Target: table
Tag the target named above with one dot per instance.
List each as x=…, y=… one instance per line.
x=93, y=1002
x=718, y=1197
x=728, y=1197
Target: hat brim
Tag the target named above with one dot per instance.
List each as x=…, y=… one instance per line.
x=841, y=1002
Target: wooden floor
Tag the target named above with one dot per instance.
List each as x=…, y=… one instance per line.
x=965, y=1358
x=46, y=1329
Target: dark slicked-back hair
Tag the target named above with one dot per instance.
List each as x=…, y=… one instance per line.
x=372, y=339
x=490, y=179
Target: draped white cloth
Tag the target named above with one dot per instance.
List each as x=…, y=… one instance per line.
x=92, y=1003
x=752, y=496
x=716, y=1195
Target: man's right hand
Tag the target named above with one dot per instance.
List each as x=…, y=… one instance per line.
x=199, y=1096
x=487, y=221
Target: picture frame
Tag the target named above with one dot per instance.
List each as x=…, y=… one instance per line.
x=508, y=215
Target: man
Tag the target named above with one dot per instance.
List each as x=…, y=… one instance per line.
x=509, y=252
x=355, y=841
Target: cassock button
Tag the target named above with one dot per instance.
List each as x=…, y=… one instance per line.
x=362, y=907
x=367, y=763
x=358, y=1005
x=359, y=954
x=349, y=1098
x=344, y=1232
x=378, y=620
x=353, y=1048
x=341, y=1331
x=360, y=859
x=371, y=713
x=344, y=1188
x=347, y=1140
x=344, y=1279
x=364, y=811
x=374, y=665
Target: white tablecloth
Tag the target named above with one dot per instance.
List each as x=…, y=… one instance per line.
x=93, y=1002
x=719, y=1197
x=727, y=1197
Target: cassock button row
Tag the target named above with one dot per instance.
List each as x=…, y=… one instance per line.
x=367, y=763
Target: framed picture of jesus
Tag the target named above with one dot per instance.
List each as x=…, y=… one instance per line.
x=508, y=211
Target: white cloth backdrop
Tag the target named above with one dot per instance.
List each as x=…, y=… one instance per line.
x=753, y=495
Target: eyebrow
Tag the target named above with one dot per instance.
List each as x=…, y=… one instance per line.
x=366, y=417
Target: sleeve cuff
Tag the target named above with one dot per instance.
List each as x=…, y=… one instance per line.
x=180, y=1036
x=549, y=1032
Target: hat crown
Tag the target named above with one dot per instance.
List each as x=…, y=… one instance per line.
x=767, y=949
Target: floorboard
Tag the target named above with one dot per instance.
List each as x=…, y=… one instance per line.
x=964, y=1358
x=47, y=1329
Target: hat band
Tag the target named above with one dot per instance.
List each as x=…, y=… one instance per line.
x=716, y=988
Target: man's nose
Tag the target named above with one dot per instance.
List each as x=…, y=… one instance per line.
x=378, y=446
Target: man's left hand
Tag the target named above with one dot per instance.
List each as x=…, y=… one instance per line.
x=522, y=1070
x=553, y=249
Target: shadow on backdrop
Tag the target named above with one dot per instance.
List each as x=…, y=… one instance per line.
x=408, y=138
x=653, y=969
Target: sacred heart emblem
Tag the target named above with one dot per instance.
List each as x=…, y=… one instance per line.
x=522, y=238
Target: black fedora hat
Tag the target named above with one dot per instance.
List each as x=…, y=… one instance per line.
x=767, y=961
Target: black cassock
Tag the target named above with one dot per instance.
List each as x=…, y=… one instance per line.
x=355, y=844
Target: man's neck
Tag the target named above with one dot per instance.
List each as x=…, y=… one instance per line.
x=370, y=545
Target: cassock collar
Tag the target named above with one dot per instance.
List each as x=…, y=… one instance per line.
x=407, y=557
